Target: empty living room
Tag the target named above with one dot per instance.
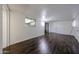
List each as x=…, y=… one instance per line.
x=40, y=28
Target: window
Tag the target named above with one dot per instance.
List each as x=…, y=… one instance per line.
x=30, y=21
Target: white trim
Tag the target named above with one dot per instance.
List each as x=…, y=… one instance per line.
x=5, y=26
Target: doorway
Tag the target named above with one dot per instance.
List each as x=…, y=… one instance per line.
x=46, y=28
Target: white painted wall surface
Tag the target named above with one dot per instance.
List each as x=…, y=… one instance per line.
x=65, y=27
x=62, y=27
x=16, y=27
x=35, y=31
x=75, y=31
x=0, y=28
x=19, y=31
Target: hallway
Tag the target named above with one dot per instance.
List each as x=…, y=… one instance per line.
x=40, y=29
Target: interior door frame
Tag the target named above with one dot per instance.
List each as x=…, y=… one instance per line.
x=5, y=25
x=46, y=27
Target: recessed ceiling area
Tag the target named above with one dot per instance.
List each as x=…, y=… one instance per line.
x=51, y=12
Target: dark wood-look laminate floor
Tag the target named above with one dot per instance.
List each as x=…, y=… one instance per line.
x=51, y=43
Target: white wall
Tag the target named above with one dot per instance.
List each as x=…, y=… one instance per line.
x=62, y=27
x=65, y=27
x=16, y=27
x=0, y=28
x=35, y=31
x=19, y=31
x=75, y=31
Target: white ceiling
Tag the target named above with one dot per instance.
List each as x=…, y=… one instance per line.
x=53, y=12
